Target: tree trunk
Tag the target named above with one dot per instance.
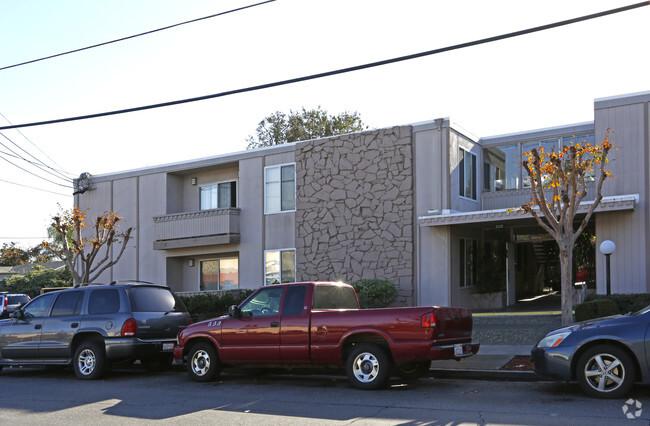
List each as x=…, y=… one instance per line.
x=566, y=268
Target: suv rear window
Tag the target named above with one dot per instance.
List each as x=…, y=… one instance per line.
x=17, y=300
x=154, y=299
x=104, y=301
x=334, y=297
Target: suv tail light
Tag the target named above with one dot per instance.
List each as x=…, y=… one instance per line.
x=4, y=304
x=128, y=329
x=429, y=320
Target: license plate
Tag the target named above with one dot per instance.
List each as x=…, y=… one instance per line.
x=458, y=350
x=167, y=347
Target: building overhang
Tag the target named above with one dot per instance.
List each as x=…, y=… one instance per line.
x=607, y=204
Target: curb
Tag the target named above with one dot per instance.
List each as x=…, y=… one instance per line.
x=515, y=376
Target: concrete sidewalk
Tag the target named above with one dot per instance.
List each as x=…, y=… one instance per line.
x=503, y=336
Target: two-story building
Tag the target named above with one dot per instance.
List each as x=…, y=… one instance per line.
x=420, y=205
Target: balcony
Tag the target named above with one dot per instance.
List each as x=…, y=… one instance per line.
x=196, y=229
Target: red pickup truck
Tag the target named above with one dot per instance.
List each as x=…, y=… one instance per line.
x=320, y=323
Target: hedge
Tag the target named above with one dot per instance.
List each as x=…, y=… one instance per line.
x=210, y=305
x=597, y=306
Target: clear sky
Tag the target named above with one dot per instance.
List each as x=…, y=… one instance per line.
x=540, y=80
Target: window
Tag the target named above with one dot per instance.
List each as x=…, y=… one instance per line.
x=67, y=304
x=467, y=174
x=468, y=258
x=154, y=299
x=39, y=306
x=501, y=168
x=294, y=301
x=218, y=195
x=279, y=266
x=105, y=301
x=265, y=303
x=220, y=274
x=548, y=146
x=334, y=297
x=280, y=188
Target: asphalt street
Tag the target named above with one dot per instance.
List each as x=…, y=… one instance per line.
x=131, y=396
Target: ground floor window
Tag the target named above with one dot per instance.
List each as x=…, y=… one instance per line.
x=468, y=252
x=279, y=266
x=220, y=274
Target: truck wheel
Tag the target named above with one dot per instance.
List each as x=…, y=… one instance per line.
x=605, y=371
x=204, y=364
x=414, y=370
x=89, y=362
x=368, y=366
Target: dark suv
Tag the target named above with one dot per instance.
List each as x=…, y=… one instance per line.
x=91, y=326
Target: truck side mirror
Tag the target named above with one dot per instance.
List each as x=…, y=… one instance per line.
x=234, y=311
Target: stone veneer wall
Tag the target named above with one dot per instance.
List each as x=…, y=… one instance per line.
x=354, y=208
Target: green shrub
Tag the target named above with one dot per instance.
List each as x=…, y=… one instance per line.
x=596, y=309
x=625, y=302
x=375, y=293
x=210, y=305
x=36, y=279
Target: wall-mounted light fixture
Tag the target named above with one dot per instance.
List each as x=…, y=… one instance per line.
x=194, y=181
x=191, y=263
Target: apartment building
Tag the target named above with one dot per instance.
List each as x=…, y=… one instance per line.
x=417, y=204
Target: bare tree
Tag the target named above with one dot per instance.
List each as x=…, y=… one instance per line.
x=81, y=250
x=564, y=175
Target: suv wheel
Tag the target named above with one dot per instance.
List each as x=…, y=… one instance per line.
x=204, y=364
x=89, y=362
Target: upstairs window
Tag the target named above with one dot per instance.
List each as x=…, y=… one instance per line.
x=467, y=174
x=280, y=188
x=279, y=266
x=218, y=195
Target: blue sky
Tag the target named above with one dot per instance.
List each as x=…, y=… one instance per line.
x=535, y=81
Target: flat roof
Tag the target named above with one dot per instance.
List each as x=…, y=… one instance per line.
x=620, y=100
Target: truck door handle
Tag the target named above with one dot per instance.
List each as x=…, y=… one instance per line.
x=38, y=326
x=74, y=325
x=275, y=324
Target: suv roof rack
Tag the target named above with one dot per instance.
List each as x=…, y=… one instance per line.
x=132, y=282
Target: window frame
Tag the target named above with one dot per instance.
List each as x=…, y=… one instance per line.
x=463, y=272
x=280, y=251
x=461, y=174
x=219, y=272
x=216, y=184
x=280, y=166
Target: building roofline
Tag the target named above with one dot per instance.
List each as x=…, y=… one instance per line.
x=585, y=126
x=620, y=100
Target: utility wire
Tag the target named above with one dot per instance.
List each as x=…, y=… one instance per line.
x=38, y=164
x=135, y=35
x=35, y=146
x=341, y=70
x=33, y=187
x=34, y=174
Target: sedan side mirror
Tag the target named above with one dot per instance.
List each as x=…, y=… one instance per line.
x=18, y=314
x=234, y=311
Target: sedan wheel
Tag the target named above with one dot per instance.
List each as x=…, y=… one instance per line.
x=605, y=371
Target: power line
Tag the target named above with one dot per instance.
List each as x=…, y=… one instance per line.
x=339, y=71
x=34, y=174
x=38, y=164
x=33, y=187
x=35, y=146
x=135, y=35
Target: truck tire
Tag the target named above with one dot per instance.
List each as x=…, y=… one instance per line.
x=414, y=370
x=203, y=363
x=605, y=371
x=368, y=366
x=89, y=362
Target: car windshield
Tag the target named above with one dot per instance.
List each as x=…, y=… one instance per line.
x=154, y=299
x=642, y=311
x=17, y=300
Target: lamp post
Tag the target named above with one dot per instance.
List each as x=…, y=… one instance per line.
x=607, y=247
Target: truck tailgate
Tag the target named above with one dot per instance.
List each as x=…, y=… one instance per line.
x=453, y=325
